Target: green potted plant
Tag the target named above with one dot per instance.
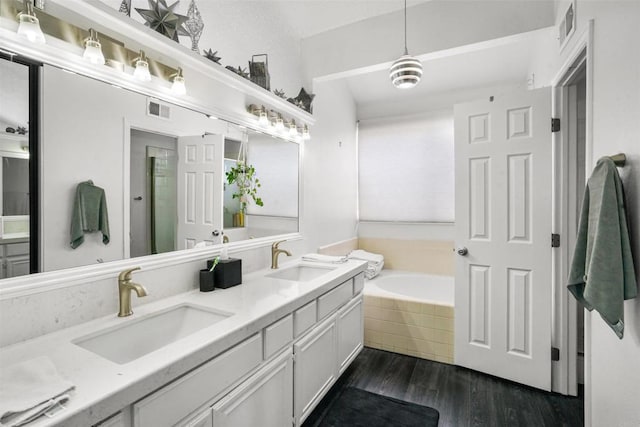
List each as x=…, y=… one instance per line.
x=247, y=185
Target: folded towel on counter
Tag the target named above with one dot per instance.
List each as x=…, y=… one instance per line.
x=29, y=390
x=324, y=258
x=602, y=275
x=366, y=256
x=375, y=262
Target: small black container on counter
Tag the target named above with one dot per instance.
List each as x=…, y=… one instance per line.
x=227, y=273
x=206, y=280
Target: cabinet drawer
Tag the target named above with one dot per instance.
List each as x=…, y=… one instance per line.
x=17, y=249
x=334, y=298
x=277, y=335
x=172, y=403
x=304, y=318
x=358, y=283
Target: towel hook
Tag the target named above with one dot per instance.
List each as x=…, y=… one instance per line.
x=619, y=159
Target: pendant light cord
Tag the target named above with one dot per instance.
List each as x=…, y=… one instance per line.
x=406, y=51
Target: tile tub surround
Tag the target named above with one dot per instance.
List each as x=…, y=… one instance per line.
x=420, y=256
x=413, y=328
x=104, y=388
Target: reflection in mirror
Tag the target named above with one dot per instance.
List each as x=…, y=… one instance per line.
x=153, y=205
x=14, y=169
x=99, y=132
x=275, y=162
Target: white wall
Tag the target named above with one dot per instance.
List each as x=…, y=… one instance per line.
x=330, y=199
x=612, y=374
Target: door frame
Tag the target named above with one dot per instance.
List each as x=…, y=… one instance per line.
x=564, y=323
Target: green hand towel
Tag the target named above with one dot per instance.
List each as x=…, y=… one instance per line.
x=89, y=213
x=602, y=275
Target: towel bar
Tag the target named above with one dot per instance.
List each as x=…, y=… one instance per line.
x=619, y=159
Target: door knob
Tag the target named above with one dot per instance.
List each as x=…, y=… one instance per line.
x=463, y=251
x=215, y=233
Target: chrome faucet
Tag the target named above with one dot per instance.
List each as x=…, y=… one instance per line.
x=125, y=286
x=275, y=251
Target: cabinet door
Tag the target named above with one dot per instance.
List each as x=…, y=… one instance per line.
x=265, y=399
x=315, y=367
x=350, y=332
x=203, y=419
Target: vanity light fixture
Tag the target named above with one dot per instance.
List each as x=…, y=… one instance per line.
x=178, y=87
x=293, y=129
x=93, y=49
x=406, y=71
x=279, y=125
x=29, y=26
x=263, y=117
x=305, y=133
x=142, y=68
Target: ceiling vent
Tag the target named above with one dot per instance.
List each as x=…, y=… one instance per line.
x=157, y=109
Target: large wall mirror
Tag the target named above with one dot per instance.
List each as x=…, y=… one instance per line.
x=151, y=183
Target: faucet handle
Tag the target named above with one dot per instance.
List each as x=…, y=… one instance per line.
x=125, y=276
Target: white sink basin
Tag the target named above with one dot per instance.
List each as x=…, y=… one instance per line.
x=300, y=273
x=122, y=344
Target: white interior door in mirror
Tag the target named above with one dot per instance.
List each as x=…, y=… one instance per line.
x=200, y=167
x=503, y=224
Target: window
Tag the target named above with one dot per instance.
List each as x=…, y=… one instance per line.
x=406, y=168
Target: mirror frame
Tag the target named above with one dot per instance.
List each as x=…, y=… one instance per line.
x=65, y=56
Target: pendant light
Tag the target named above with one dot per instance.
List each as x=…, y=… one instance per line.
x=93, y=48
x=29, y=26
x=406, y=71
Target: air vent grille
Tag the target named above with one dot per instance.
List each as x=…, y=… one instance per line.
x=157, y=109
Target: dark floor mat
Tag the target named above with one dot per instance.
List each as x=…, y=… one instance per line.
x=355, y=407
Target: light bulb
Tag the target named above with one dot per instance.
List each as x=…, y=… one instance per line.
x=293, y=129
x=279, y=126
x=142, y=68
x=93, y=49
x=305, y=133
x=29, y=26
x=263, y=119
x=178, y=87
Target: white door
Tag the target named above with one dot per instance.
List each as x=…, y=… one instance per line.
x=503, y=221
x=200, y=168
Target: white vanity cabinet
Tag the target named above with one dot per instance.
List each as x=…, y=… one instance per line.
x=273, y=378
x=315, y=358
x=350, y=321
x=265, y=399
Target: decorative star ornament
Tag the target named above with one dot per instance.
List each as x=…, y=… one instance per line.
x=303, y=100
x=164, y=20
x=280, y=93
x=212, y=56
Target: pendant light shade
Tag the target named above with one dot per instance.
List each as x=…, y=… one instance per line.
x=178, y=86
x=29, y=26
x=406, y=71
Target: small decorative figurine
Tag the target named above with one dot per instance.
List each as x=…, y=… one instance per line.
x=212, y=56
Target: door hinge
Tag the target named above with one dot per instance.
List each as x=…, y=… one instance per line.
x=555, y=125
x=555, y=240
x=555, y=354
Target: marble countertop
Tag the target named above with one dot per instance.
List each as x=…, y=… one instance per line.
x=104, y=387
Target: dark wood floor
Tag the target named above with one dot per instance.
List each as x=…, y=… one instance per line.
x=462, y=396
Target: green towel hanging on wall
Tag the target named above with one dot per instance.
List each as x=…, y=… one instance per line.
x=602, y=275
x=89, y=213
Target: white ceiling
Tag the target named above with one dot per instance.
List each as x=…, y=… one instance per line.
x=508, y=63
x=310, y=17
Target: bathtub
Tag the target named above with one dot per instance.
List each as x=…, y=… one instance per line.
x=410, y=313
